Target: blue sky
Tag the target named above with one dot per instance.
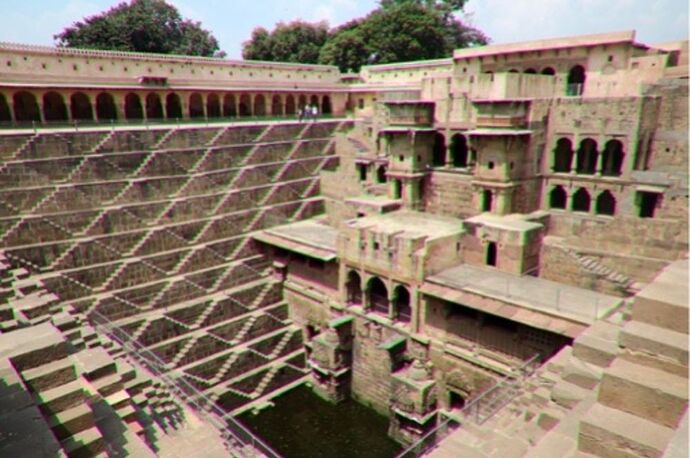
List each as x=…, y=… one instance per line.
x=231, y=21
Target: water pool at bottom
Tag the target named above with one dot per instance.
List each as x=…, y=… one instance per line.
x=302, y=425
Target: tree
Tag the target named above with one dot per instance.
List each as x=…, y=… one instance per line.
x=297, y=41
x=347, y=50
x=141, y=26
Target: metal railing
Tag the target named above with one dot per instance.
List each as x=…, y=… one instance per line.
x=478, y=410
x=238, y=438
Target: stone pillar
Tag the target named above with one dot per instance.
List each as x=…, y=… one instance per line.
x=331, y=360
x=41, y=107
x=119, y=99
x=600, y=163
x=164, y=106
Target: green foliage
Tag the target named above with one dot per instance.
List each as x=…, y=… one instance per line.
x=398, y=31
x=142, y=26
x=297, y=41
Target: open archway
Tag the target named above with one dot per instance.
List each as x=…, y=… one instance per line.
x=491, y=254
x=173, y=106
x=576, y=81
x=80, y=107
x=196, y=106
x=558, y=197
x=54, y=108
x=213, y=106
x=5, y=113
x=290, y=105
x=606, y=204
x=353, y=287
x=548, y=71
x=487, y=200
x=401, y=304
x=581, y=201
x=154, y=107
x=381, y=174
x=25, y=107
x=229, y=106
x=133, y=109
x=302, y=101
x=326, y=105
x=439, y=150
x=377, y=296
x=259, y=105
x=612, y=158
x=458, y=150
x=276, y=105
x=587, y=156
x=105, y=107
x=245, y=105
x=563, y=156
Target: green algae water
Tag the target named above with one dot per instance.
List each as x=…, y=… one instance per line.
x=302, y=425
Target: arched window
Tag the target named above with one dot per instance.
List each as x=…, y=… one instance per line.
x=530, y=71
x=581, y=201
x=401, y=304
x=213, y=106
x=5, y=113
x=354, y=288
x=381, y=174
x=54, y=108
x=314, y=100
x=259, y=105
x=587, y=156
x=606, y=203
x=576, y=81
x=302, y=101
x=439, y=151
x=487, y=200
x=276, y=105
x=513, y=70
x=154, y=108
x=25, y=107
x=612, y=158
x=548, y=71
x=173, y=106
x=133, y=109
x=558, y=197
x=105, y=106
x=377, y=296
x=397, y=189
x=326, y=105
x=229, y=106
x=563, y=155
x=196, y=106
x=245, y=105
x=491, y=254
x=290, y=105
x=80, y=106
x=458, y=150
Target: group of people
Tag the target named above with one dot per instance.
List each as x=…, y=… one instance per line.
x=308, y=112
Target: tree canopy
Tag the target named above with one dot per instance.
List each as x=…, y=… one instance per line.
x=397, y=31
x=141, y=26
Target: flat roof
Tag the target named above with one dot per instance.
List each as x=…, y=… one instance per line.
x=311, y=238
x=409, y=223
x=513, y=222
x=490, y=132
x=534, y=301
x=550, y=43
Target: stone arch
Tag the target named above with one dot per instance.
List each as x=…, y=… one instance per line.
x=513, y=70
x=381, y=174
x=576, y=80
x=439, y=150
x=290, y=105
x=105, y=106
x=606, y=203
x=133, y=109
x=213, y=106
x=531, y=71
x=548, y=71
x=326, y=107
x=276, y=105
x=487, y=200
x=54, y=108
x=245, y=105
x=401, y=304
x=5, y=113
x=377, y=296
x=229, y=105
x=353, y=288
x=612, y=158
x=459, y=150
x=491, y=254
x=587, y=156
x=196, y=106
x=25, y=107
x=563, y=155
x=314, y=100
x=173, y=106
x=154, y=107
x=558, y=197
x=80, y=106
x=259, y=105
x=581, y=201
